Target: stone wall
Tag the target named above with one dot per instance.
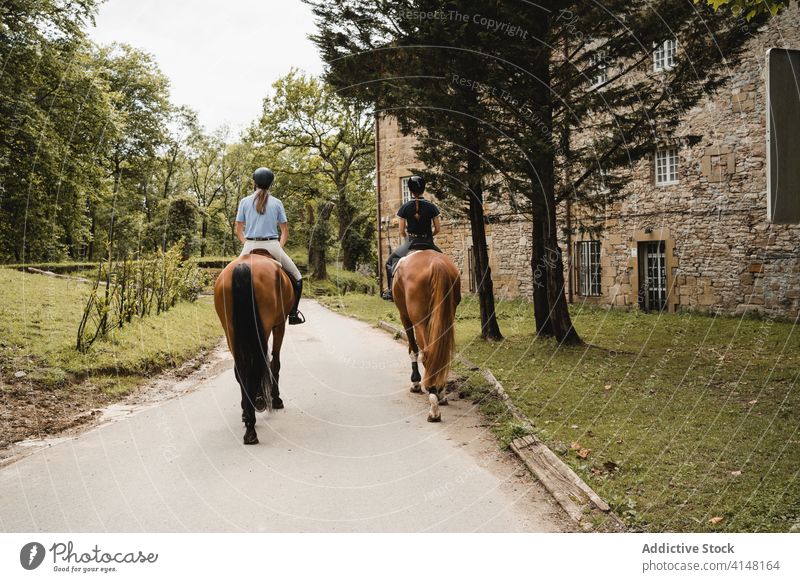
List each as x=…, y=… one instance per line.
x=725, y=255
x=721, y=252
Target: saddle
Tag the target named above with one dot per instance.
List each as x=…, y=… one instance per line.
x=424, y=245
x=263, y=252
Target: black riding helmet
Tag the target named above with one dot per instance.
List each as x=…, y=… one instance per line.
x=263, y=177
x=416, y=184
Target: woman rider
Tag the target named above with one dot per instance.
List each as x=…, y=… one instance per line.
x=419, y=223
x=258, y=219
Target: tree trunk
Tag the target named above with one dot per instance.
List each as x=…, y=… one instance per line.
x=548, y=253
x=93, y=232
x=490, y=329
x=203, y=232
x=558, y=309
x=344, y=214
x=541, y=305
x=318, y=241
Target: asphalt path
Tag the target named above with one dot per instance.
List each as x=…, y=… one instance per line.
x=351, y=452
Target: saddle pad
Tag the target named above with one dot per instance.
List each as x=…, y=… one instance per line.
x=403, y=259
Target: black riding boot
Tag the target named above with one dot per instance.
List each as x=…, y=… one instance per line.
x=295, y=317
x=387, y=295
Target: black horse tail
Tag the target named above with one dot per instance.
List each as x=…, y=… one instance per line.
x=250, y=344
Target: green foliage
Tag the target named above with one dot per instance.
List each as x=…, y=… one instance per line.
x=55, y=106
x=131, y=289
x=323, y=144
x=181, y=225
x=750, y=8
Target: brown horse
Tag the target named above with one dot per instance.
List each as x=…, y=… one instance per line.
x=426, y=290
x=253, y=297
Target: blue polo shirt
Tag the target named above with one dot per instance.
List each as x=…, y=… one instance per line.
x=261, y=225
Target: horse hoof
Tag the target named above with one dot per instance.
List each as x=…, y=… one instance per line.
x=277, y=404
x=432, y=418
x=250, y=437
x=443, y=402
x=415, y=388
x=260, y=403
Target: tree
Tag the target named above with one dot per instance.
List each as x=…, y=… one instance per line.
x=182, y=217
x=360, y=43
x=527, y=88
x=140, y=97
x=55, y=108
x=205, y=159
x=306, y=115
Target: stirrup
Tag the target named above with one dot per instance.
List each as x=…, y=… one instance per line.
x=387, y=295
x=296, y=318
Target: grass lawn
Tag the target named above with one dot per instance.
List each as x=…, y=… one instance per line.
x=39, y=319
x=688, y=418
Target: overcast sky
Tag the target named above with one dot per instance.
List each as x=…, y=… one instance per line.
x=220, y=56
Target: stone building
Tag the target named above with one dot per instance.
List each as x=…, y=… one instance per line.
x=692, y=231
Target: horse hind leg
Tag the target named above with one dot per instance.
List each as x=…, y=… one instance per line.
x=434, y=415
x=275, y=366
x=248, y=415
x=275, y=370
x=413, y=353
x=416, y=378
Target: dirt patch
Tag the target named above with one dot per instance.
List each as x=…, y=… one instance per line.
x=31, y=414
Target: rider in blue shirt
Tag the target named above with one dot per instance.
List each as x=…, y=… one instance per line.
x=261, y=224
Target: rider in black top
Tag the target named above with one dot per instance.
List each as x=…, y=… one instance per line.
x=419, y=222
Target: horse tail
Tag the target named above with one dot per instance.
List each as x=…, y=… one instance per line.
x=445, y=296
x=249, y=352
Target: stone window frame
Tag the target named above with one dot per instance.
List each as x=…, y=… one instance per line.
x=405, y=193
x=664, y=55
x=590, y=249
x=671, y=155
x=672, y=263
x=598, y=59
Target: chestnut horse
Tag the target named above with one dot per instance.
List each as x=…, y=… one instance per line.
x=426, y=290
x=253, y=297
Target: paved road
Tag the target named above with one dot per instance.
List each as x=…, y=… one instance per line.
x=352, y=451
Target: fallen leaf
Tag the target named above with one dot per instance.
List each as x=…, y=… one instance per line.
x=583, y=453
x=753, y=402
x=575, y=446
x=607, y=387
x=715, y=520
x=736, y=473
x=20, y=374
x=574, y=426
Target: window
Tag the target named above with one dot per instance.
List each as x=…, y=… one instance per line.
x=666, y=166
x=664, y=55
x=597, y=61
x=588, y=254
x=404, y=189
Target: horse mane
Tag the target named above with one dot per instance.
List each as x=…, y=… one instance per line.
x=445, y=297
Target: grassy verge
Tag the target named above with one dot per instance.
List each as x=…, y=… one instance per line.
x=690, y=421
x=39, y=322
